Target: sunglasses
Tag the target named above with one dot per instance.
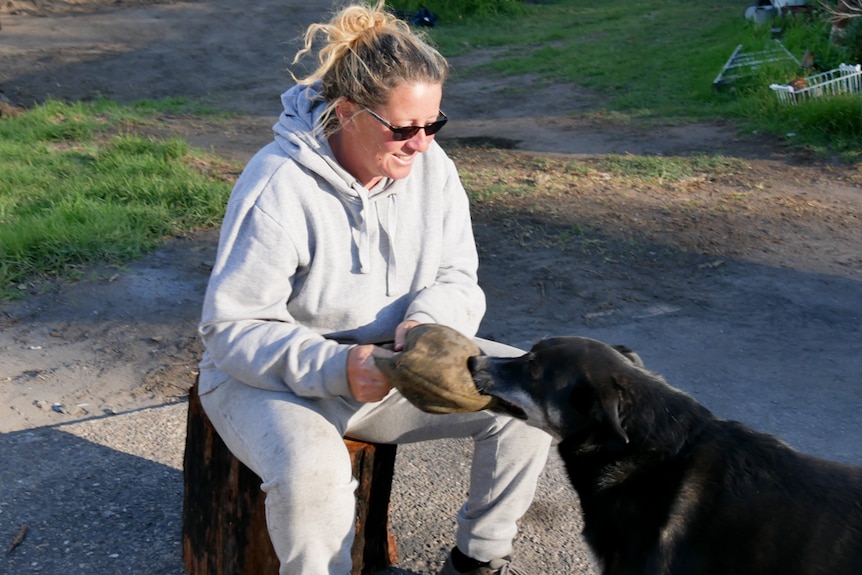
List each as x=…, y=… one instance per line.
x=407, y=132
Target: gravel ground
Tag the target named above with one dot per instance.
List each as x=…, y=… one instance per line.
x=104, y=496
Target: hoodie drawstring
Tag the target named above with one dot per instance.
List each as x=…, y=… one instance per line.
x=388, y=227
x=363, y=242
x=392, y=267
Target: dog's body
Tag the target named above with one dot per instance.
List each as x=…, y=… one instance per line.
x=667, y=488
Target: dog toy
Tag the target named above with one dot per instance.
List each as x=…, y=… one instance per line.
x=431, y=371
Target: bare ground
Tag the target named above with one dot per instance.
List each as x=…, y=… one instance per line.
x=742, y=287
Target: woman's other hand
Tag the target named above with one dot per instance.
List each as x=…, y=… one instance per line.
x=367, y=383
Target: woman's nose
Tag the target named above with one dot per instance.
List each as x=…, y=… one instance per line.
x=420, y=141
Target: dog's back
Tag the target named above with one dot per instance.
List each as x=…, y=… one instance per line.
x=769, y=509
x=693, y=494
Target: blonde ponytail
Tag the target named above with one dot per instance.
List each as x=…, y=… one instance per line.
x=367, y=53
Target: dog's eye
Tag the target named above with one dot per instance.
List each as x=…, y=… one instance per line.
x=534, y=367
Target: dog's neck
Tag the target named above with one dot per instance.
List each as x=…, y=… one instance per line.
x=659, y=431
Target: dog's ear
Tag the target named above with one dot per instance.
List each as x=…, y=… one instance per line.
x=629, y=354
x=610, y=402
x=600, y=405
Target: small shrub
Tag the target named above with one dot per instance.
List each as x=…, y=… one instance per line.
x=849, y=42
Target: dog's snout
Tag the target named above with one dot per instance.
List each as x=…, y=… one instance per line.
x=475, y=363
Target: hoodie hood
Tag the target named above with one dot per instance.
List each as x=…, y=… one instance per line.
x=299, y=135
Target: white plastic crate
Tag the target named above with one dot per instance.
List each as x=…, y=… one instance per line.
x=845, y=79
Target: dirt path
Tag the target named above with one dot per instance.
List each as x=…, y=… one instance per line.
x=759, y=317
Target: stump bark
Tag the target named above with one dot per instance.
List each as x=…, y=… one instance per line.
x=224, y=522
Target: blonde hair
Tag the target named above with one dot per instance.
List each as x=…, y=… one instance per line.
x=368, y=53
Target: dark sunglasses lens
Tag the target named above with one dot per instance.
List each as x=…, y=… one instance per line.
x=433, y=128
x=401, y=134
x=407, y=132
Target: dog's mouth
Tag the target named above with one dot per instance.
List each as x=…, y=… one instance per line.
x=484, y=383
x=502, y=405
x=508, y=407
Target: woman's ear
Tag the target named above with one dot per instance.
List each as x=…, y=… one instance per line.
x=344, y=111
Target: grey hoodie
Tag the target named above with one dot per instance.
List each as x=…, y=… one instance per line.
x=310, y=262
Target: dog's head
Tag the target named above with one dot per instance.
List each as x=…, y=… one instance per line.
x=563, y=385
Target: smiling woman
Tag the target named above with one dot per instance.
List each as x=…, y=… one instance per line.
x=372, y=64
x=346, y=232
x=372, y=149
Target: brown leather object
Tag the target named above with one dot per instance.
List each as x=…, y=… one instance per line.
x=431, y=371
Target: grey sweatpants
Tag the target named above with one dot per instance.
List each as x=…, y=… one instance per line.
x=295, y=445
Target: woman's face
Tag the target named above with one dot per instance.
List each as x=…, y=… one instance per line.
x=366, y=148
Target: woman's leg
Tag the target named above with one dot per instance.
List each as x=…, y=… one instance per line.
x=508, y=458
x=295, y=446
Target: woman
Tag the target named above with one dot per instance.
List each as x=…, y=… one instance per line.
x=347, y=230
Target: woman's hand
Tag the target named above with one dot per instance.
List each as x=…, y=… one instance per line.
x=401, y=332
x=367, y=383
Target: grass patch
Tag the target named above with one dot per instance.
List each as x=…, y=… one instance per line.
x=656, y=60
x=655, y=57
x=498, y=176
x=663, y=170
x=78, y=187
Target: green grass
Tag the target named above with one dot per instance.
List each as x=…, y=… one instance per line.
x=492, y=175
x=664, y=170
x=650, y=58
x=77, y=187
x=656, y=60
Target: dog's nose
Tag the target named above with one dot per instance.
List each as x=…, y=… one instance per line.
x=475, y=363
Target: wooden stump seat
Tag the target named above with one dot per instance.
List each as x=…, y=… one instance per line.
x=224, y=523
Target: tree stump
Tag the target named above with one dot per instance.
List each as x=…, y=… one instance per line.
x=224, y=522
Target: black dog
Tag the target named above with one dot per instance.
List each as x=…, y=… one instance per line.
x=666, y=487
